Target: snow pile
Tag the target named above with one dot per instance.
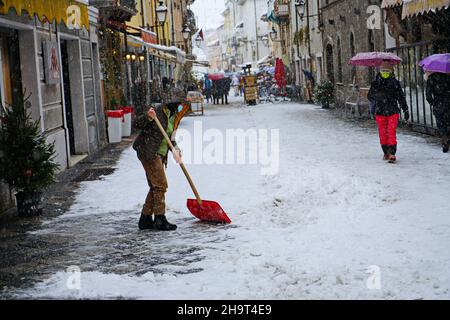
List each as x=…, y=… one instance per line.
x=336, y=222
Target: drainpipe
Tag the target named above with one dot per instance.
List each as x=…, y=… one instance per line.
x=147, y=56
x=309, y=35
x=172, y=19
x=298, y=45
x=256, y=29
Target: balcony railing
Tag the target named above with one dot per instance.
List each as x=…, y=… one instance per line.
x=282, y=9
x=118, y=10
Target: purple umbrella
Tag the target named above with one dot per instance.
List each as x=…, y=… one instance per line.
x=436, y=63
x=374, y=59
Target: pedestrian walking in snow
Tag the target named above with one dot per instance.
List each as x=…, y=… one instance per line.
x=438, y=95
x=224, y=89
x=207, y=89
x=235, y=85
x=386, y=94
x=152, y=150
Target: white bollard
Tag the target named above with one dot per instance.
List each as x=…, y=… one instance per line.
x=126, y=124
x=115, y=119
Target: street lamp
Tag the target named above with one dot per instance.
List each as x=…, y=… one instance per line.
x=186, y=32
x=133, y=57
x=161, y=13
x=300, y=8
x=273, y=34
x=198, y=41
x=265, y=40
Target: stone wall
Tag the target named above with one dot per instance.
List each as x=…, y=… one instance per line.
x=345, y=34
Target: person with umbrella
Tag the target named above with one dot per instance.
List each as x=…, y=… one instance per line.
x=207, y=87
x=437, y=73
x=386, y=94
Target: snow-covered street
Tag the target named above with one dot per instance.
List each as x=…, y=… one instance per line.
x=336, y=222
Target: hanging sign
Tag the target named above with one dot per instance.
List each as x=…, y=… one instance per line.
x=51, y=62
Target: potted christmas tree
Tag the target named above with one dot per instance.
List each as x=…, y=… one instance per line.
x=324, y=93
x=26, y=160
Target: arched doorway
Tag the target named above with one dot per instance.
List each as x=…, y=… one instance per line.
x=353, y=53
x=339, y=61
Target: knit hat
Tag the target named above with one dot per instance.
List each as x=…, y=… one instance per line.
x=386, y=66
x=175, y=95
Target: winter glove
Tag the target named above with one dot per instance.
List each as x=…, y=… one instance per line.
x=406, y=115
x=177, y=155
x=372, y=108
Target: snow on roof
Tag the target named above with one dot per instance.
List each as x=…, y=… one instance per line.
x=159, y=47
x=213, y=43
x=265, y=59
x=264, y=16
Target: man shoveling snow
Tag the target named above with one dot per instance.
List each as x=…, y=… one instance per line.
x=152, y=150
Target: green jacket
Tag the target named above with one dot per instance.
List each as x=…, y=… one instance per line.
x=150, y=139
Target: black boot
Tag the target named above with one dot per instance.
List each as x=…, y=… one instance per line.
x=392, y=149
x=445, y=147
x=145, y=222
x=392, y=152
x=161, y=223
x=385, y=151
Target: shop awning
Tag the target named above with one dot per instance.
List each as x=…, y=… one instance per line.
x=390, y=3
x=239, y=25
x=214, y=43
x=74, y=12
x=199, y=63
x=416, y=7
x=263, y=17
x=265, y=60
x=172, y=54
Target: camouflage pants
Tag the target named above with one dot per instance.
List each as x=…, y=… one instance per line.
x=157, y=181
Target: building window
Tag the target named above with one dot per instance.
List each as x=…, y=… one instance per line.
x=329, y=61
x=339, y=60
x=353, y=53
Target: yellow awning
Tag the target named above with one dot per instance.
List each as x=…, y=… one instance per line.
x=59, y=10
x=390, y=3
x=415, y=7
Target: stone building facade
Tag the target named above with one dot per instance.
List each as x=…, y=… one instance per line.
x=69, y=106
x=345, y=33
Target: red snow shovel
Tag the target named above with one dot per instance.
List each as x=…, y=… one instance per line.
x=202, y=209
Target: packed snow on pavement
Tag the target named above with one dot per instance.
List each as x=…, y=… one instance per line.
x=336, y=222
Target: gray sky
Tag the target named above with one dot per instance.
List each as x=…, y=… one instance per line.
x=208, y=12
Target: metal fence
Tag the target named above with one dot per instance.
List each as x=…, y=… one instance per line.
x=411, y=77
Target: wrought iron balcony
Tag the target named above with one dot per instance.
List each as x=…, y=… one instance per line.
x=282, y=10
x=117, y=10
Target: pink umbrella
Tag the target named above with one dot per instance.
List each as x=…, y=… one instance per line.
x=216, y=76
x=374, y=59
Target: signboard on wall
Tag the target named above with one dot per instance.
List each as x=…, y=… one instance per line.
x=51, y=62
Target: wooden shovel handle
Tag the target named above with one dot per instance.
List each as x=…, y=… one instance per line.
x=186, y=173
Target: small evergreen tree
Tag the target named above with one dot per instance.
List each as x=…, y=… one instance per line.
x=324, y=93
x=26, y=160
